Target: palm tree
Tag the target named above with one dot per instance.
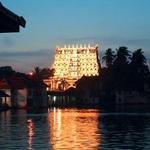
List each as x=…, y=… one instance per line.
x=44, y=73
x=121, y=68
x=37, y=72
x=138, y=59
x=122, y=56
x=63, y=85
x=139, y=69
x=109, y=57
x=47, y=72
x=98, y=61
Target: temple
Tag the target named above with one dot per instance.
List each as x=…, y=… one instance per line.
x=71, y=62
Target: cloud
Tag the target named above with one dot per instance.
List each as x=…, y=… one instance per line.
x=82, y=40
x=147, y=55
x=7, y=41
x=112, y=42
x=132, y=44
x=26, y=60
x=17, y=54
x=139, y=42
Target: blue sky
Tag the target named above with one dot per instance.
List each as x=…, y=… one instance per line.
x=110, y=23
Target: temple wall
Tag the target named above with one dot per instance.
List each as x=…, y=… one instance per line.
x=71, y=63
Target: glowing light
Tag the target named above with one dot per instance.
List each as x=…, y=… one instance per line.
x=72, y=129
x=54, y=98
x=72, y=62
x=31, y=73
x=30, y=133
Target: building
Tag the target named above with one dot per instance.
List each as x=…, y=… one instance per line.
x=9, y=21
x=23, y=92
x=130, y=97
x=71, y=63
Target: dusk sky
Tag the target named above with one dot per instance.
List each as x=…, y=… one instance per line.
x=109, y=23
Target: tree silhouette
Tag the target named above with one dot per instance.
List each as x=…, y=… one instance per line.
x=109, y=57
x=122, y=57
x=37, y=71
x=138, y=59
x=6, y=72
x=139, y=70
x=44, y=73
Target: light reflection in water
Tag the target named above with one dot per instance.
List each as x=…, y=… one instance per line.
x=74, y=129
x=30, y=126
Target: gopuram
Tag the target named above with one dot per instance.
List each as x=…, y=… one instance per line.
x=71, y=63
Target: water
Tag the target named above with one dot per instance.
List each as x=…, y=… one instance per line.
x=74, y=129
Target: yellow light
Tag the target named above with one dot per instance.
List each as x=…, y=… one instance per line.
x=68, y=128
x=72, y=62
x=30, y=126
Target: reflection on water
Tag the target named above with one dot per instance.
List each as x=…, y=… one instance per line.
x=30, y=132
x=74, y=129
x=129, y=131
x=13, y=130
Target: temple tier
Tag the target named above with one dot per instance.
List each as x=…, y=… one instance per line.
x=71, y=63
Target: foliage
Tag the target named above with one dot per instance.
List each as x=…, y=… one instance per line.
x=128, y=72
x=125, y=70
x=122, y=56
x=138, y=59
x=109, y=57
x=6, y=72
x=44, y=73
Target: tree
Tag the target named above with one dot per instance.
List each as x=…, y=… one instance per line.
x=47, y=73
x=109, y=57
x=98, y=61
x=6, y=72
x=139, y=70
x=37, y=71
x=63, y=85
x=138, y=59
x=44, y=73
x=122, y=57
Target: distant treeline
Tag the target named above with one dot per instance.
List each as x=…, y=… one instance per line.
x=38, y=73
x=124, y=70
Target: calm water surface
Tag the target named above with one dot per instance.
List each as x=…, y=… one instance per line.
x=74, y=129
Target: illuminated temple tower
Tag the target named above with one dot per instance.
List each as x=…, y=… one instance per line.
x=71, y=63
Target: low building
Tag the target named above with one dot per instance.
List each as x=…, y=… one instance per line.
x=6, y=88
x=24, y=92
x=3, y=101
x=36, y=93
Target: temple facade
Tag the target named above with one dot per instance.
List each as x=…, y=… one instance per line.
x=71, y=63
